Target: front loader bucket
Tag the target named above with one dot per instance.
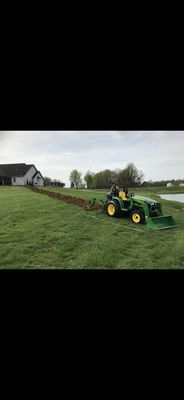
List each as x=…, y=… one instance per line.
x=164, y=222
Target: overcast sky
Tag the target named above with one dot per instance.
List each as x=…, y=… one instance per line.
x=159, y=154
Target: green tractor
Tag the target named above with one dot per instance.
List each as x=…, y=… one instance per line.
x=140, y=209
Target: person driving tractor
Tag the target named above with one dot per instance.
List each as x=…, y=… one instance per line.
x=126, y=191
x=114, y=191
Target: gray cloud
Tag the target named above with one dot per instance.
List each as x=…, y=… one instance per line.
x=2, y=135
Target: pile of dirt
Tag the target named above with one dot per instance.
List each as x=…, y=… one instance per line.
x=67, y=199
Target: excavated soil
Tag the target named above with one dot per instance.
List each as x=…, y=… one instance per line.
x=67, y=199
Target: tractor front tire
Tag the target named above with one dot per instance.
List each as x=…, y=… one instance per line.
x=137, y=217
x=113, y=209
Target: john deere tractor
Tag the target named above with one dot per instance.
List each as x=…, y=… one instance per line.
x=140, y=209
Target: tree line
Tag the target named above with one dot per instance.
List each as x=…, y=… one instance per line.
x=150, y=183
x=130, y=176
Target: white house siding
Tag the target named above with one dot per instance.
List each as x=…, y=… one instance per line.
x=26, y=179
x=28, y=176
x=39, y=181
x=18, y=181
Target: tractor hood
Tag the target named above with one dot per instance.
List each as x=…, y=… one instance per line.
x=145, y=199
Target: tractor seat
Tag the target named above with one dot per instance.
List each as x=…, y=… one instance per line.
x=123, y=196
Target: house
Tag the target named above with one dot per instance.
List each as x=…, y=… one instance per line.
x=20, y=175
x=169, y=184
x=181, y=184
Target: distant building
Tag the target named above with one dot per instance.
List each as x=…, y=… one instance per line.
x=20, y=175
x=181, y=184
x=57, y=184
x=169, y=184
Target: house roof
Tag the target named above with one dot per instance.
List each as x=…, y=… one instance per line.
x=10, y=170
x=2, y=173
x=37, y=172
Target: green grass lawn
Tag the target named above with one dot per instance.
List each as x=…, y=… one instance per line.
x=39, y=232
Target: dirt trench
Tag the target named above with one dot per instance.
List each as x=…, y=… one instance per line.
x=67, y=199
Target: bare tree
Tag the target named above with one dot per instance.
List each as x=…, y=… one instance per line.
x=75, y=177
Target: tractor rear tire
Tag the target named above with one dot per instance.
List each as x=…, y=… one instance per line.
x=113, y=209
x=137, y=217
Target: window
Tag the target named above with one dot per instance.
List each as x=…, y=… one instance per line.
x=14, y=179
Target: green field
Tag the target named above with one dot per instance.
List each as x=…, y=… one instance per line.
x=39, y=232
